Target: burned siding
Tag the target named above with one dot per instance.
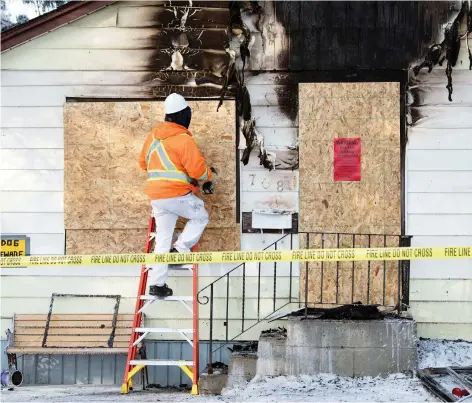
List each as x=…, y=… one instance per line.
x=191, y=46
x=349, y=37
x=359, y=35
x=449, y=48
x=212, y=49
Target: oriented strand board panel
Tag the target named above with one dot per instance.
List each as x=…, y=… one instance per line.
x=104, y=186
x=372, y=282
x=371, y=112
x=132, y=240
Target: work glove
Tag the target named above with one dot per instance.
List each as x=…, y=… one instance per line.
x=208, y=188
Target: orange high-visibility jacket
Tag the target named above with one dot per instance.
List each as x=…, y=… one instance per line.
x=172, y=160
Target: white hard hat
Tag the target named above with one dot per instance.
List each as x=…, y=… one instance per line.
x=174, y=103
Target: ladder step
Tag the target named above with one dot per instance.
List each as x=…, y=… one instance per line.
x=162, y=330
x=173, y=298
x=161, y=362
x=188, y=266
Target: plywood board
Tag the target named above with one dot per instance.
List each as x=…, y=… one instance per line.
x=132, y=240
x=104, y=186
x=371, y=112
x=375, y=282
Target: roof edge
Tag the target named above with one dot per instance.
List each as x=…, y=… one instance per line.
x=49, y=21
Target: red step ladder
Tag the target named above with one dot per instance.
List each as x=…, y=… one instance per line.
x=139, y=332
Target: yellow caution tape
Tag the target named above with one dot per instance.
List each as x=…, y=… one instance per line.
x=302, y=255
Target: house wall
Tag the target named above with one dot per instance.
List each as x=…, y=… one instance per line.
x=105, y=55
x=86, y=369
x=439, y=197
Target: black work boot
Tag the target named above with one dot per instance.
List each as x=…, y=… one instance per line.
x=162, y=291
x=173, y=250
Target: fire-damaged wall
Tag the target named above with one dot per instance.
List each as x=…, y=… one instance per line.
x=438, y=176
x=255, y=53
x=304, y=37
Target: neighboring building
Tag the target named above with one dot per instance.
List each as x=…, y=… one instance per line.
x=416, y=177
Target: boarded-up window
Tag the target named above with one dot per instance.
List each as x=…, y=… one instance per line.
x=369, y=112
x=106, y=208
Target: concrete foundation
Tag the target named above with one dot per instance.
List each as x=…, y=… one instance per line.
x=241, y=368
x=212, y=384
x=271, y=352
x=345, y=348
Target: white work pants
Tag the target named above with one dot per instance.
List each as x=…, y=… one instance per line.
x=166, y=212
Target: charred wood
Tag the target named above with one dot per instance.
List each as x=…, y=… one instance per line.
x=448, y=49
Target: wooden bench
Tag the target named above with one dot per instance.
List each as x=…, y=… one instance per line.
x=70, y=334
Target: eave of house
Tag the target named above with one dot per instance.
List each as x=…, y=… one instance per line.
x=49, y=21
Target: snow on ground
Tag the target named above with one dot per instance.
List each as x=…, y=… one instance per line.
x=443, y=353
x=320, y=388
x=331, y=388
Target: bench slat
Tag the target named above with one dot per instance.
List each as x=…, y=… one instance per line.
x=81, y=317
x=71, y=334
x=69, y=338
x=72, y=344
x=65, y=350
x=70, y=330
x=66, y=323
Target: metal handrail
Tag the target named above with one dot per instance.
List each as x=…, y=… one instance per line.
x=203, y=299
x=233, y=269
x=402, y=268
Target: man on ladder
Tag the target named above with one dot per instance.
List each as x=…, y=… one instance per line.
x=174, y=165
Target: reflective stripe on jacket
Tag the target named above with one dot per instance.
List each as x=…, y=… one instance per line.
x=173, y=161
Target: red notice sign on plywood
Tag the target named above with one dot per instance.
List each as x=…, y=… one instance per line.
x=347, y=159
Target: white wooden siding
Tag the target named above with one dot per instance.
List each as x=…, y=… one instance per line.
x=444, y=117
x=204, y=270
x=56, y=95
x=442, y=312
x=34, y=78
x=255, y=165
x=436, y=269
x=438, y=181
x=256, y=178
x=259, y=187
x=440, y=160
x=259, y=200
x=32, y=116
x=92, y=57
x=26, y=138
x=445, y=290
x=272, y=116
x=454, y=331
x=264, y=94
x=279, y=136
x=73, y=37
x=434, y=139
x=32, y=223
x=30, y=159
x=32, y=180
x=440, y=224
x=439, y=202
x=32, y=202
x=165, y=314
x=100, y=62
